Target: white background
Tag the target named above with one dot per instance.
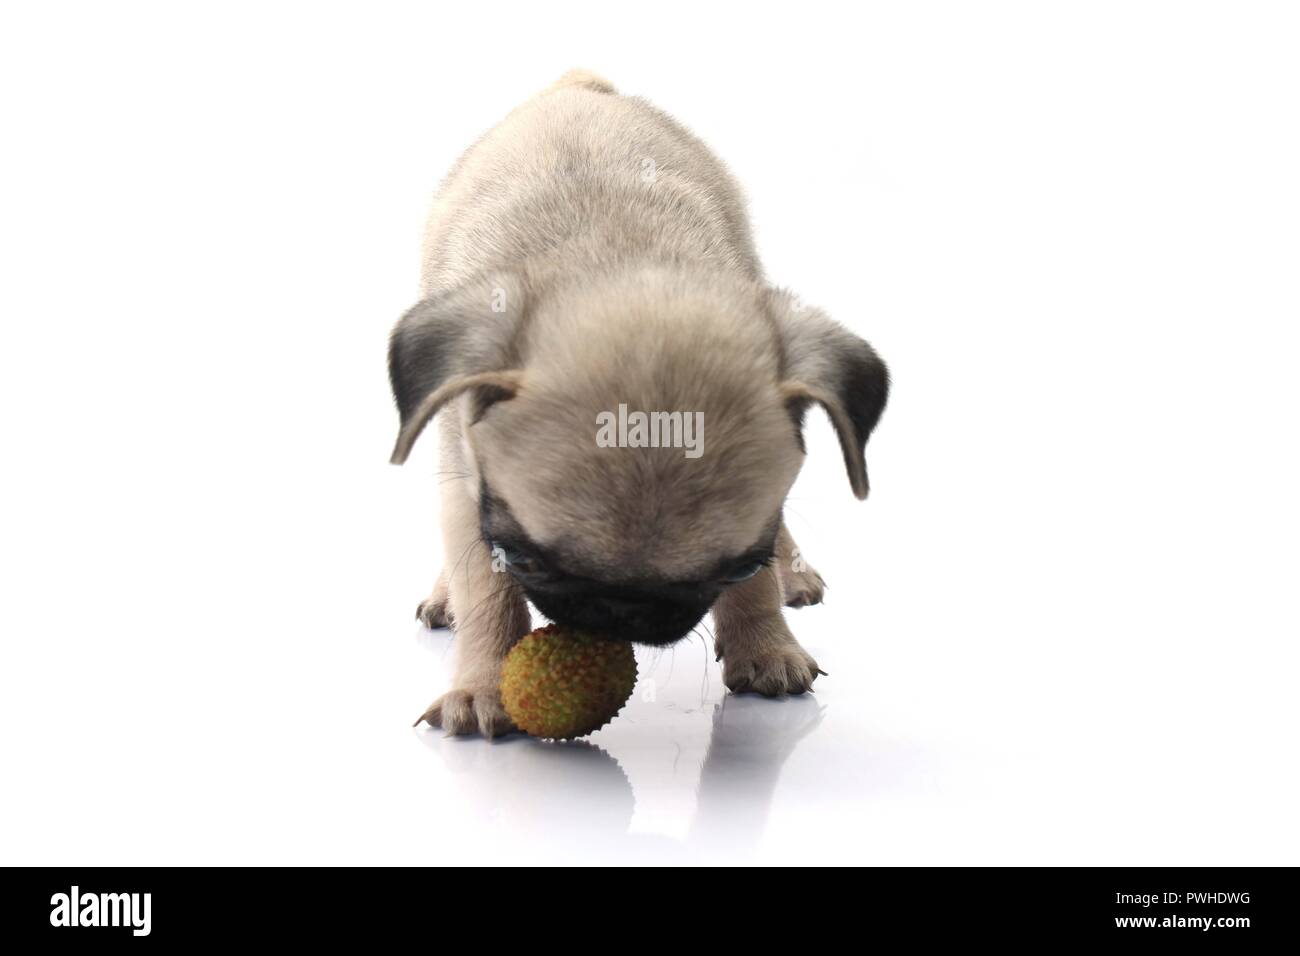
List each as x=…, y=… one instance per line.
x=1062, y=630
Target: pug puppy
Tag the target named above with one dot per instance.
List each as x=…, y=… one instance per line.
x=589, y=261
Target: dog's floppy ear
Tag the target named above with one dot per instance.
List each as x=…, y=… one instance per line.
x=827, y=364
x=452, y=343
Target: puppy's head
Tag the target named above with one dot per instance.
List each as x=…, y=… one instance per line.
x=631, y=440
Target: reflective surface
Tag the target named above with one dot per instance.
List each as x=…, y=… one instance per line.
x=1063, y=629
x=684, y=773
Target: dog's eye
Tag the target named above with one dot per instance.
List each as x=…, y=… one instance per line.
x=743, y=572
x=515, y=559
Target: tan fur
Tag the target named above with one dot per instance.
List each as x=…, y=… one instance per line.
x=582, y=78
x=801, y=585
x=488, y=609
x=758, y=651
x=587, y=252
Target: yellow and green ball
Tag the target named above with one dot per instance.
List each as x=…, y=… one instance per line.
x=562, y=683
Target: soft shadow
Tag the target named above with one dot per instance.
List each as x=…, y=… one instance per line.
x=572, y=801
x=751, y=740
x=438, y=641
x=556, y=784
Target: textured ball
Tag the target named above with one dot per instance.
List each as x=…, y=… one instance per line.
x=562, y=683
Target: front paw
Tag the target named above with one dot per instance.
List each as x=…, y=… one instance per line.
x=802, y=588
x=773, y=670
x=435, y=611
x=469, y=711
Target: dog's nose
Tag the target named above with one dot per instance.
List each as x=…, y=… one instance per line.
x=623, y=613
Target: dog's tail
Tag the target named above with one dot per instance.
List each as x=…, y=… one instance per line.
x=584, y=79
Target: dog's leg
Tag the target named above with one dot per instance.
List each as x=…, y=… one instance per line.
x=754, y=643
x=489, y=612
x=801, y=585
x=434, y=611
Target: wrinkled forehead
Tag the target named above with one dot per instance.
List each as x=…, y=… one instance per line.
x=656, y=471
